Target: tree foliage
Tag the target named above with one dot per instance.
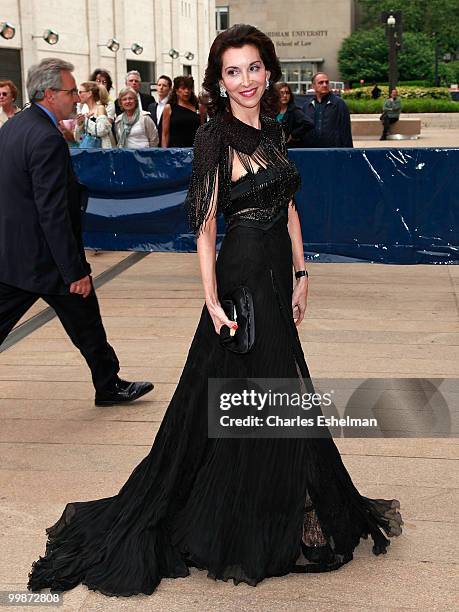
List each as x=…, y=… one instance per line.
x=438, y=19
x=364, y=55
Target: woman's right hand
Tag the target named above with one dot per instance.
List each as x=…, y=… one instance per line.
x=219, y=318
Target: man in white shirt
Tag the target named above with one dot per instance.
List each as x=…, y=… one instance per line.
x=163, y=87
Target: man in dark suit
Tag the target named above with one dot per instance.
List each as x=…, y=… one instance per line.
x=163, y=87
x=41, y=246
x=134, y=81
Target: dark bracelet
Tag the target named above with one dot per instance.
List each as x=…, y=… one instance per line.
x=301, y=273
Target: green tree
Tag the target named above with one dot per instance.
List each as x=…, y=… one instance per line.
x=416, y=58
x=438, y=19
x=364, y=55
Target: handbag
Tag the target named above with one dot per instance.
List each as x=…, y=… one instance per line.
x=238, y=307
x=89, y=141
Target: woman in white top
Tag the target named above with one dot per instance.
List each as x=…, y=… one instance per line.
x=92, y=119
x=135, y=129
x=102, y=77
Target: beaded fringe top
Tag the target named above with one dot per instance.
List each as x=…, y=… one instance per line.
x=259, y=151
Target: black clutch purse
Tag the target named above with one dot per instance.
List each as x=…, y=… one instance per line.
x=238, y=307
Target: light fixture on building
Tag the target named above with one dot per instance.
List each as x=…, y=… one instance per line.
x=49, y=36
x=113, y=44
x=135, y=48
x=174, y=54
x=7, y=30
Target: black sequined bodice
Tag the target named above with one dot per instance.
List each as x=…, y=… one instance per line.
x=268, y=178
x=260, y=196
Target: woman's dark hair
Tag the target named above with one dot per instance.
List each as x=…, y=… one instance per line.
x=183, y=81
x=236, y=37
x=283, y=85
x=104, y=74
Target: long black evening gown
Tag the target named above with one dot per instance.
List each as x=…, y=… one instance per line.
x=236, y=507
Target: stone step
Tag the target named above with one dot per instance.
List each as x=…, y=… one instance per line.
x=403, y=129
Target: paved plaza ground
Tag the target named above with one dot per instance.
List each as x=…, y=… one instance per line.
x=437, y=130
x=363, y=320
x=430, y=137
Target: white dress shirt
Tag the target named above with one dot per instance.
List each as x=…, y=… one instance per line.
x=159, y=109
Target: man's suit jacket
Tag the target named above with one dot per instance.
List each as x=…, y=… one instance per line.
x=159, y=126
x=145, y=99
x=41, y=207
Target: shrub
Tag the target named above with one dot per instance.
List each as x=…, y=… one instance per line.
x=413, y=105
x=383, y=83
x=448, y=73
x=364, y=93
x=413, y=84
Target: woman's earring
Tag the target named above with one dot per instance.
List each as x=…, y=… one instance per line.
x=223, y=93
x=267, y=83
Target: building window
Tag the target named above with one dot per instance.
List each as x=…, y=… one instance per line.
x=298, y=75
x=186, y=70
x=221, y=18
x=147, y=73
x=10, y=61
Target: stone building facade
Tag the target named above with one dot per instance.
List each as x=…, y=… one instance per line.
x=307, y=33
x=85, y=26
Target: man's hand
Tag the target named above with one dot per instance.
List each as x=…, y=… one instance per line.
x=82, y=287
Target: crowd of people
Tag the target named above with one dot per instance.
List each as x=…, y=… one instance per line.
x=136, y=120
x=133, y=120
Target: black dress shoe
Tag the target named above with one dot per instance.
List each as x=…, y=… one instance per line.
x=317, y=554
x=123, y=392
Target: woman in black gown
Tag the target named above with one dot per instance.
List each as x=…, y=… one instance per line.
x=180, y=116
x=244, y=509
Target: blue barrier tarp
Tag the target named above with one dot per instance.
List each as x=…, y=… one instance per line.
x=382, y=205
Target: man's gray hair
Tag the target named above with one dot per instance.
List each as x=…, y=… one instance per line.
x=136, y=72
x=314, y=76
x=46, y=75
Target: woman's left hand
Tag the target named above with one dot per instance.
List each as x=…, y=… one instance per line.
x=299, y=300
